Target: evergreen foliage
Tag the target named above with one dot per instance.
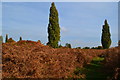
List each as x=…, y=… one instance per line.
x=53, y=27
x=68, y=45
x=86, y=48
x=20, y=38
x=60, y=46
x=10, y=40
x=99, y=47
x=106, y=40
x=119, y=43
x=78, y=47
x=6, y=39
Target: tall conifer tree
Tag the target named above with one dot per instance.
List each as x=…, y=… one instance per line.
x=20, y=38
x=106, y=36
x=53, y=27
x=6, y=39
x=119, y=43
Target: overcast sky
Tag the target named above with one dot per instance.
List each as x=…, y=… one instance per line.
x=80, y=22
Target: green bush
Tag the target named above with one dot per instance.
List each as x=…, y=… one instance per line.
x=99, y=47
x=78, y=71
x=86, y=48
x=10, y=40
x=78, y=47
x=68, y=45
x=60, y=46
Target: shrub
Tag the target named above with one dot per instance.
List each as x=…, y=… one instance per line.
x=99, y=47
x=60, y=46
x=78, y=47
x=39, y=41
x=77, y=71
x=68, y=45
x=86, y=48
x=10, y=40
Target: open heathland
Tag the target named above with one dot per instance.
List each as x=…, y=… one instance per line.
x=30, y=59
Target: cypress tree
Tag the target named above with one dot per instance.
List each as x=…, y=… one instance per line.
x=53, y=27
x=20, y=38
x=6, y=40
x=119, y=43
x=106, y=36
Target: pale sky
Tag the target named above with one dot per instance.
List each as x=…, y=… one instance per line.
x=59, y=0
x=80, y=22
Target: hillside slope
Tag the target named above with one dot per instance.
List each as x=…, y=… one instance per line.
x=28, y=59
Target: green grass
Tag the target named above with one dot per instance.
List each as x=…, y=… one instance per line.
x=94, y=70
